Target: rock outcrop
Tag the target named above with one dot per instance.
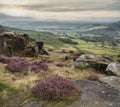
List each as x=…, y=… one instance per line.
x=114, y=67
x=97, y=62
x=111, y=80
x=14, y=44
x=96, y=94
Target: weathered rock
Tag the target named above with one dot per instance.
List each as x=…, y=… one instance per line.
x=107, y=59
x=1, y=43
x=111, y=80
x=33, y=104
x=95, y=94
x=90, y=61
x=19, y=43
x=114, y=68
x=65, y=57
x=6, y=49
x=9, y=34
x=14, y=44
x=32, y=49
x=44, y=52
x=40, y=45
x=74, y=56
x=26, y=37
x=35, y=50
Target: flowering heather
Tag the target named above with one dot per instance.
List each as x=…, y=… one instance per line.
x=4, y=59
x=17, y=64
x=39, y=66
x=54, y=87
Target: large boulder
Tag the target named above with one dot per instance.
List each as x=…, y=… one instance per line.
x=9, y=35
x=19, y=43
x=74, y=55
x=1, y=43
x=95, y=94
x=32, y=49
x=7, y=51
x=91, y=61
x=5, y=47
x=114, y=68
x=15, y=44
x=26, y=36
x=111, y=80
x=40, y=45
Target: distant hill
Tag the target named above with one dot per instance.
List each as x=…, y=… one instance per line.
x=102, y=32
x=115, y=25
x=105, y=30
x=70, y=28
x=49, y=32
x=2, y=29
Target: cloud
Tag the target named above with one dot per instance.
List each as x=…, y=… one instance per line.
x=115, y=5
x=75, y=5
x=4, y=17
x=61, y=9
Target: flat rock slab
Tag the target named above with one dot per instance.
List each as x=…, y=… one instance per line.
x=111, y=80
x=97, y=94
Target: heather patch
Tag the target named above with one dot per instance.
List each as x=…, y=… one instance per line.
x=55, y=87
x=39, y=66
x=18, y=65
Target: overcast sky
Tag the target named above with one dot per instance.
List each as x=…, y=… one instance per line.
x=69, y=10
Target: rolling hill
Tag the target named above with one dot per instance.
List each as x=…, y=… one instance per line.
x=87, y=35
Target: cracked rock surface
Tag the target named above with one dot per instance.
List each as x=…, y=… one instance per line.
x=97, y=94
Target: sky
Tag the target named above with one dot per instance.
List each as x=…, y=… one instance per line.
x=60, y=10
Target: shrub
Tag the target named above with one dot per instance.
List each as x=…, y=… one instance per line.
x=54, y=87
x=39, y=66
x=4, y=59
x=17, y=64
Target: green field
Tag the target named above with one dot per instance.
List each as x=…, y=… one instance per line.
x=96, y=48
x=51, y=40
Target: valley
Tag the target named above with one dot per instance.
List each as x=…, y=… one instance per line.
x=81, y=52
